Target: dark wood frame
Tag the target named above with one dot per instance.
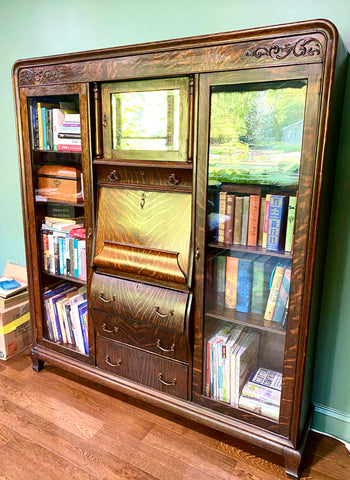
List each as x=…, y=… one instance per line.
x=295, y=49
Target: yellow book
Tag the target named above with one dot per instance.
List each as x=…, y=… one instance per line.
x=275, y=288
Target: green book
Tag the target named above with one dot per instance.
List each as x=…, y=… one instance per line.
x=290, y=223
x=262, y=271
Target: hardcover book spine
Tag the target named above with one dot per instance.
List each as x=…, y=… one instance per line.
x=237, y=230
x=244, y=285
x=266, y=220
x=220, y=273
x=290, y=224
x=253, y=221
x=222, y=214
x=230, y=208
x=231, y=282
x=245, y=216
x=261, y=221
x=275, y=287
x=276, y=223
x=282, y=298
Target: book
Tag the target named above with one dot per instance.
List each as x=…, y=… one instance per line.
x=266, y=220
x=261, y=392
x=258, y=407
x=245, y=363
x=276, y=223
x=274, y=291
x=231, y=279
x=237, y=224
x=13, y=281
x=283, y=296
x=263, y=267
x=253, y=220
x=222, y=216
x=268, y=378
x=261, y=221
x=83, y=312
x=75, y=318
x=230, y=210
x=220, y=279
x=290, y=223
x=245, y=217
x=245, y=282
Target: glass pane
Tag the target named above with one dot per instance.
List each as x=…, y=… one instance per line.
x=146, y=120
x=254, y=159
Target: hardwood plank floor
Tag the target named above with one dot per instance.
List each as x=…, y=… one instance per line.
x=54, y=425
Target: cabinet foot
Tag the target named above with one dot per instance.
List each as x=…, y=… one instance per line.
x=292, y=462
x=37, y=364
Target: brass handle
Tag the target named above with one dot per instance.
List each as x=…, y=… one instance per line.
x=167, y=350
x=172, y=382
x=143, y=200
x=163, y=315
x=114, y=330
x=107, y=360
x=106, y=300
x=172, y=180
x=57, y=182
x=113, y=176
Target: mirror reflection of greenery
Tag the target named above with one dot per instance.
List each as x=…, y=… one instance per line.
x=256, y=135
x=147, y=120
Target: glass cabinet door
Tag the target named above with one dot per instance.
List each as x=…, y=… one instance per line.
x=253, y=158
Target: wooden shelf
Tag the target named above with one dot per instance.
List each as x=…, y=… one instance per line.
x=243, y=248
x=144, y=163
x=249, y=319
x=65, y=277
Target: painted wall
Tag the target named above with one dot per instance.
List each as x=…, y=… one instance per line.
x=35, y=28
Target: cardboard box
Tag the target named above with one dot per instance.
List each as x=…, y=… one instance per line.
x=15, y=330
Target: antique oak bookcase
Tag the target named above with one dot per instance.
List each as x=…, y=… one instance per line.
x=199, y=173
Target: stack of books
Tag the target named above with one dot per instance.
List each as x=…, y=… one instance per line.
x=66, y=315
x=262, y=393
x=232, y=354
x=252, y=220
x=55, y=126
x=64, y=246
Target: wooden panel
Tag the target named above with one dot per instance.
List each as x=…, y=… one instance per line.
x=158, y=221
x=148, y=337
x=170, y=178
x=230, y=54
x=151, y=370
x=137, y=301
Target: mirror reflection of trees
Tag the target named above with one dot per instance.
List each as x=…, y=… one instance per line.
x=255, y=134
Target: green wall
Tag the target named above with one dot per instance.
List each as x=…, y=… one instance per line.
x=35, y=28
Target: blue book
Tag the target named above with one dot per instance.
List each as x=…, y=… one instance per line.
x=82, y=309
x=61, y=252
x=245, y=282
x=276, y=223
x=76, y=258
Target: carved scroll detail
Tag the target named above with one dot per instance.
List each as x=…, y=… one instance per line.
x=301, y=48
x=32, y=77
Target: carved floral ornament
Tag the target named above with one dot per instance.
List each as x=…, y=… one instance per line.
x=304, y=47
x=32, y=77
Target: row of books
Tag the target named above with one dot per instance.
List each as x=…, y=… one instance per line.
x=55, y=126
x=232, y=354
x=253, y=283
x=64, y=247
x=66, y=315
x=252, y=220
x=262, y=393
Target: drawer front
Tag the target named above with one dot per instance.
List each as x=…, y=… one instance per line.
x=161, y=177
x=150, y=370
x=137, y=301
x=148, y=337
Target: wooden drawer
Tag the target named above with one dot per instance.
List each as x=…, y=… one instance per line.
x=137, y=301
x=148, y=337
x=148, y=369
x=158, y=177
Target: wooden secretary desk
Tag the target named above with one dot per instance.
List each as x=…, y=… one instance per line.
x=175, y=201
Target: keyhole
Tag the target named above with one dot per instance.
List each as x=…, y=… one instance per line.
x=143, y=200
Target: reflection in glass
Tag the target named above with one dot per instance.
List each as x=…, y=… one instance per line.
x=146, y=120
x=256, y=133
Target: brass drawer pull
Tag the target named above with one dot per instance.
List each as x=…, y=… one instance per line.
x=106, y=300
x=163, y=315
x=113, y=176
x=107, y=360
x=171, y=349
x=173, y=181
x=172, y=383
x=114, y=330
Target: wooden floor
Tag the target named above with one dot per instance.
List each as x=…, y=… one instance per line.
x=56, y=426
